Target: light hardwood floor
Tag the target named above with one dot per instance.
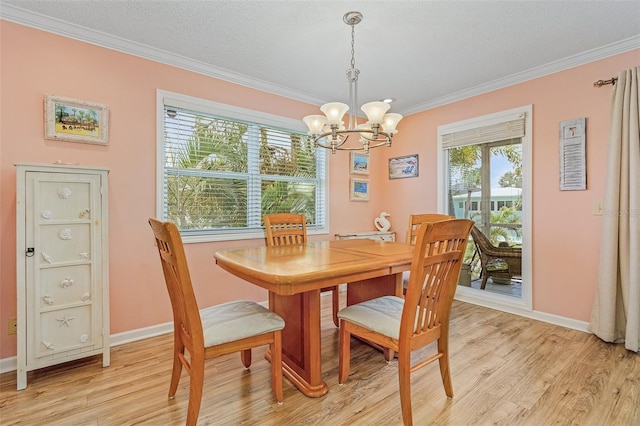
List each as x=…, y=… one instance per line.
x=506, y=370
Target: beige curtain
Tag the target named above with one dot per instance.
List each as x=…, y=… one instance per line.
x=616, y=310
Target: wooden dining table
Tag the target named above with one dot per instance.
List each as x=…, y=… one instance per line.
x=294, y=275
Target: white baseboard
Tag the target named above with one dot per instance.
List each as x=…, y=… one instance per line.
x=10, y=364
x=527, y=313
x=561, y=321
x=141, y=333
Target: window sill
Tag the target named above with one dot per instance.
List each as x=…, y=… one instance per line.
x=206, y=238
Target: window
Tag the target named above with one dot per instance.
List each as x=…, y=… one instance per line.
x=221, y=168
x=485, y=163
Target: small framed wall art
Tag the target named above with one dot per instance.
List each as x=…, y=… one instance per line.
x=359, y=163
x=573, y=155
x=403, y=167
x=74, y=120
x=359, y=189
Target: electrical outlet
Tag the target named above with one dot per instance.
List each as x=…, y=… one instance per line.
x=597, y=208
x=13, y=325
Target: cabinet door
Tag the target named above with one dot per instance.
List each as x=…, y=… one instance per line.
x=63, y=275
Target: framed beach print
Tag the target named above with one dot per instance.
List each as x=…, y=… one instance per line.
x=359, y=163
x=403, y=167
x=359, y=189
x=74, y=120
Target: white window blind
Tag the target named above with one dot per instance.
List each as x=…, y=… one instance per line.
x=220, y=174
x=509, y=129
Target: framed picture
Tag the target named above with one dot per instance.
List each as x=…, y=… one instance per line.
x=573, y=155
x=403, y=167
x=359, y=189
x=73, y=120
x=359, y=163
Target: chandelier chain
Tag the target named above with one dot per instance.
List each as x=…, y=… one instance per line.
x=353, y=49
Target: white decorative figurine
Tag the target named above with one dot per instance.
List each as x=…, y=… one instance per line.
x=382, y=223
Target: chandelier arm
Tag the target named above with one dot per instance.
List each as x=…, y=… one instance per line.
x=316, y=140
x=348, y=131
x=385, y=134
x=358, y=148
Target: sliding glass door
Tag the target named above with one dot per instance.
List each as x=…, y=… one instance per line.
x=485, y=185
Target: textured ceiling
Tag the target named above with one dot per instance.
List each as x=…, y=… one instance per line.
x=423, y=53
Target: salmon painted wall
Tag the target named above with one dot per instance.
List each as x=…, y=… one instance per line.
x=566, y=234
x=35, y=63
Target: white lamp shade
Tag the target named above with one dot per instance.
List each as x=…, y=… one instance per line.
x=390, y=121
x=334, y=111
x=315, y=123
x=375, y=111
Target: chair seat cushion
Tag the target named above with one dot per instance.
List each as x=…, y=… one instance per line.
x=237, y=320
x=497, y=265
x=381, y=315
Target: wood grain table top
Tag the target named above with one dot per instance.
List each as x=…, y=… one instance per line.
x=288, y=270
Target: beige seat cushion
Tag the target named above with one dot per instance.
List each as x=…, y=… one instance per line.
x=237, y=320
x=381, y=315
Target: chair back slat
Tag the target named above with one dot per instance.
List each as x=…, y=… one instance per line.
x=435, y=269
x=186, y=314
x=415, y=220
x=283, y=229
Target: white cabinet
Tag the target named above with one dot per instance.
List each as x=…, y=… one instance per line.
x=62, y=265
x=373, y=235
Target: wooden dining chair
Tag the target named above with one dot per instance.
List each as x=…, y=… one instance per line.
x=415, y=220
x=218, y=330
x=285, y=229
x=421, y=317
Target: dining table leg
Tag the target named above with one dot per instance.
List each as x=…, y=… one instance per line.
x=301, y=362
x=387, y=285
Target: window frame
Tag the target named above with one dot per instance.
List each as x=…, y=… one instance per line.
x=177, y=100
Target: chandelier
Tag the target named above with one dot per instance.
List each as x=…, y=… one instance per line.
x=328, y=130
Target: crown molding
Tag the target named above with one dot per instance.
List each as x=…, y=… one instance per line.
x=80, y=33
x=531, y=74
x=56, y=26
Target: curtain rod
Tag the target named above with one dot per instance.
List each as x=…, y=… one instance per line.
x=601, y=83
